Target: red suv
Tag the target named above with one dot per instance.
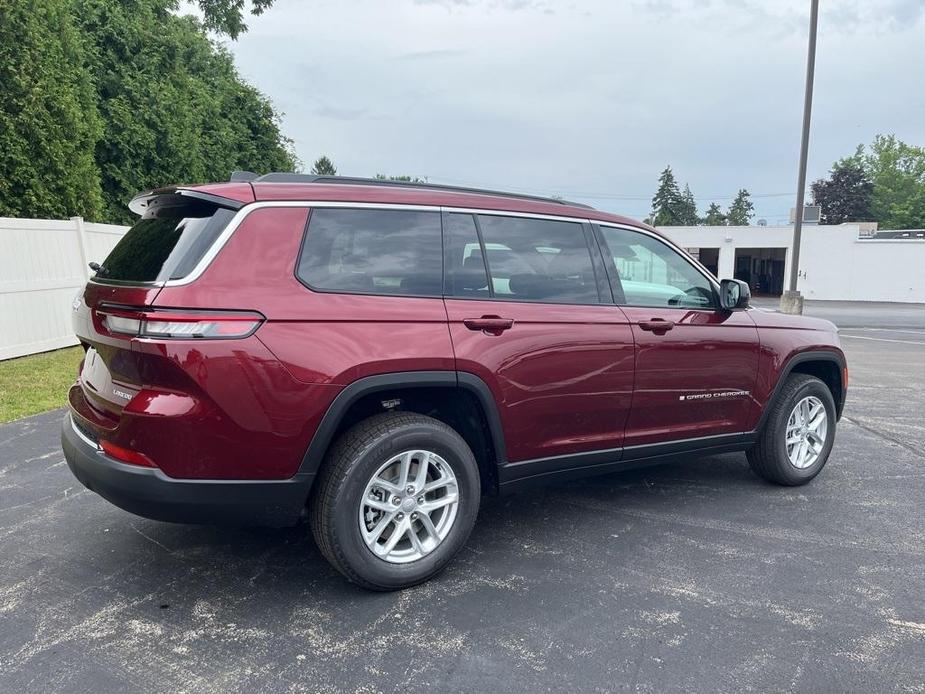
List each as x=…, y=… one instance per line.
x=379, y=355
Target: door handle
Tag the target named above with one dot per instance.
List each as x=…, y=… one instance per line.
x=659, y=326
x=490, y=325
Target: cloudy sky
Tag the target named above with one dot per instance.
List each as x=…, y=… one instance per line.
x=589, y=99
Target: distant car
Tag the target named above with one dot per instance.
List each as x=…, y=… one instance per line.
x=379, y=355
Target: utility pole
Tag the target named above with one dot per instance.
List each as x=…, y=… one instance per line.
x=792, y=301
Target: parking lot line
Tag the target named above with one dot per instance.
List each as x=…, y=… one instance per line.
x=892, y=330
x=882, y=339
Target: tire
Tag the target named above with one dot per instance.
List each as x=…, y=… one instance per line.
x=347, y=480
x=769, y=457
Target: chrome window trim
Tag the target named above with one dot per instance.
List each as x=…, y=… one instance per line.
x=672, y=245
x=242, y=214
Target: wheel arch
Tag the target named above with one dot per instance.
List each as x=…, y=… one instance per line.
x=461, y=400
x=826, y=365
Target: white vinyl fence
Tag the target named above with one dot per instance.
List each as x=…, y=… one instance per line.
x=43, y=263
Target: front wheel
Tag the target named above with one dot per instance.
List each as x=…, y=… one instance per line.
x=397, y=498
x=798, y=435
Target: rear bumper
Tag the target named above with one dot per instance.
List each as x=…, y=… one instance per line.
x=150, y=493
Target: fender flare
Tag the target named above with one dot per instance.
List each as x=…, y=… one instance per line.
x=811, y=355
x=324, y=434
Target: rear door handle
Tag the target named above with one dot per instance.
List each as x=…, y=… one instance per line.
x=492, y=325
x=659, y=326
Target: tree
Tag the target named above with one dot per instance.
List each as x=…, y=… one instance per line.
x=689, y=215
x=846, y=195
x=48, y=117
x=405, y=179
x=897, y=171
x=324, y=167
x=173, y=105
x=226, y=16
x=714, y=216
x=741, y=210
x=667, y=204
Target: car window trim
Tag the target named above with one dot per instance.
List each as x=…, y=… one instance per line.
x=605, y=290
x=712, y=281
x=243, y=212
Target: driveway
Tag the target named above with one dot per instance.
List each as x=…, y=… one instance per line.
x=685, y=577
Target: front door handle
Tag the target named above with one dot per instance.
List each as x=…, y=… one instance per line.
x=659, y=326
x=490, y=325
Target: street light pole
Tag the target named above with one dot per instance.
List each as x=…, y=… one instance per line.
x=792, y=301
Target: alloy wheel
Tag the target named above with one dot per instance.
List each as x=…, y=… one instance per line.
x=409, y=506
x=807, y=427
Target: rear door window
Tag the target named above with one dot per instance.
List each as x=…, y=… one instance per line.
x=166, y=243
x=394, y=252
x=538, y=260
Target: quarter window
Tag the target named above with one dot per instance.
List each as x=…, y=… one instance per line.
x=373, y=252
x=651, y=273
x=166, y=243
x=537, y=260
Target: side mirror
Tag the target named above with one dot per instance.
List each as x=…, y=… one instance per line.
x=734, y=294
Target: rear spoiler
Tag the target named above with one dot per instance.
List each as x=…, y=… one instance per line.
x=174, y=196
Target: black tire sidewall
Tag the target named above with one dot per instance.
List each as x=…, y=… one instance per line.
x=449, y=446
x=793, y=474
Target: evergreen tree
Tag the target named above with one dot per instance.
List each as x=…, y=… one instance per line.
x=741, y=210
x=48, y=117
x=174, y=108
x=714, y=216
x=324, y=167
x=689, y=216
x=667, y=204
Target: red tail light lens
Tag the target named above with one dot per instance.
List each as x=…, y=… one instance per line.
x=125, y=455
x=172, y=324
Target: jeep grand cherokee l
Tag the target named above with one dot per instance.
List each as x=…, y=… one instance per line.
x=379, y=355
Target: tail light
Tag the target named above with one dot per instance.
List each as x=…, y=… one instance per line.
x=174, y=324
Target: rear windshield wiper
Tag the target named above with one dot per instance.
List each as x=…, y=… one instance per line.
x=97, y=268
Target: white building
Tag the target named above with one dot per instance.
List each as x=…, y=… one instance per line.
x=837, y=262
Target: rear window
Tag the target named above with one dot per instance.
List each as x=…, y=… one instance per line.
x=373, y=252
x=166, y=243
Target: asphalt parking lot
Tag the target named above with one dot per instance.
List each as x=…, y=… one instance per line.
x=685, y=577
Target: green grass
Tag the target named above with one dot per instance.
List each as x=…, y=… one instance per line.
x=37, y=383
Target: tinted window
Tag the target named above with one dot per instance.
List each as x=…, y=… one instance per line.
x=373, y=252
x=538, y=260
x=465, y=266
x=652, y=273
x=166, y=243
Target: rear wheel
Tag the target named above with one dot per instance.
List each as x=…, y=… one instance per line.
x=798, y=435
x=397, y=498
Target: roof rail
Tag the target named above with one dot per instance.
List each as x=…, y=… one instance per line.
x=354, y=180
